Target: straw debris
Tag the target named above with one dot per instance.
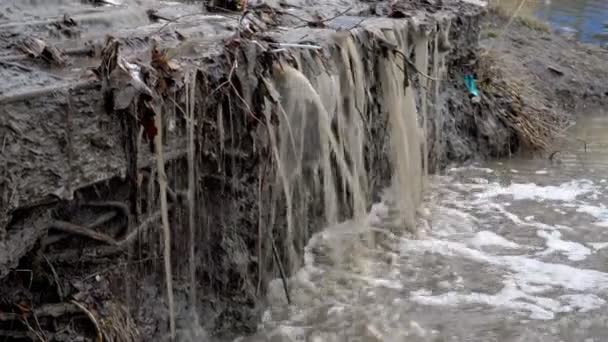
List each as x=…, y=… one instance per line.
x=510, y=100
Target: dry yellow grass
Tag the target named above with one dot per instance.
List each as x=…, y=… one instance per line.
x=534, y=125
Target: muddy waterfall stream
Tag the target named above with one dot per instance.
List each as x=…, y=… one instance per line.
x=304, y=184
x=510, y=250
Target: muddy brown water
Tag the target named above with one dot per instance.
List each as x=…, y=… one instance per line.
x=510, y=250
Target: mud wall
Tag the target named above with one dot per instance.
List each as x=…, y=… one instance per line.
x=268, y=136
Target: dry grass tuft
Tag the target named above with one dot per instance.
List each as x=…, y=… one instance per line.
x=534, y=124
x=534, y=24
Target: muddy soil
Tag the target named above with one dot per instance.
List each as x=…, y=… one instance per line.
x=570, y=76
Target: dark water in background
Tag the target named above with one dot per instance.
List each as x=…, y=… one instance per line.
x=584, y=20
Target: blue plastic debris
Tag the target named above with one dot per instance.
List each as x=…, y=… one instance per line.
x=469, y=81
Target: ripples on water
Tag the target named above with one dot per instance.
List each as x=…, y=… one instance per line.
x=513, y=250
x=584, y=20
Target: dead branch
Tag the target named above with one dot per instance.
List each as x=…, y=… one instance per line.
x=101, y=220
x=18, y=335
x=178, y=18
x=143, y=226
x=18, y=66
x=236, y=92
x=321, y=22
x=191, y=188
x=94, y=254
x=92, y=318
x=122, y=207
x=281, y=270
x=54, y=310
x=35, y=333
x=162, y=180
x=55, y=277
x=72, y=228
x=387, y=46
x=49, y=90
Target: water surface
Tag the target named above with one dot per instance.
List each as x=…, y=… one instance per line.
x=510, y=250
x=584, y=20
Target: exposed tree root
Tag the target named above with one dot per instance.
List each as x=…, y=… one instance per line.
x=99, y=337
x=68, y=227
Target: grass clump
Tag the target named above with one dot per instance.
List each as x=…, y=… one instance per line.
x=534, y=24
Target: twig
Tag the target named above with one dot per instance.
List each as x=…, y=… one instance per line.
x=68, y=227
x=301, y=46
x=236, y=92
x=143, y=226
x=384, y=44
x=190, y=89
x=34, y=332
x=281, y=270
x=124, y=208
x=223, y=84
x=92, y=318
x=357, y=24
x=103, y=219
x=17, y=335
x=69, y=114
x=54, y=310
x=413, y=65
x=176, y=19
x=504, y=29
x=584, y=142
x=43, y=91
x=162, y=180
x=55, y=276
x=16, y=65
x=320, y=22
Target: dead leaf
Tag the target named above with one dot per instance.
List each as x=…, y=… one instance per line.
x=37, y=48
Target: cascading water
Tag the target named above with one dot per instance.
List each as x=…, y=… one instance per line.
x=325, y=137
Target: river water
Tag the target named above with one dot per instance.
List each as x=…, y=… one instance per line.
x=584, y=20
x=509, y=250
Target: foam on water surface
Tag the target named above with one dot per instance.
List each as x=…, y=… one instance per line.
x=568, y=191
x=488, y=238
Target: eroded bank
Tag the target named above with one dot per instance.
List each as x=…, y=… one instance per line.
x=273, y=124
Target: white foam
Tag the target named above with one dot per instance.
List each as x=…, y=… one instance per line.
x=574, y=250
x=583, y=302
x=528, y=278
x=599, y=212
x=525, y=270
x=470, y=168
x=487, y=238
x=541, y=172
x=477, y=2
x=568, y=191
x=509, y=297
x=598, y=245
